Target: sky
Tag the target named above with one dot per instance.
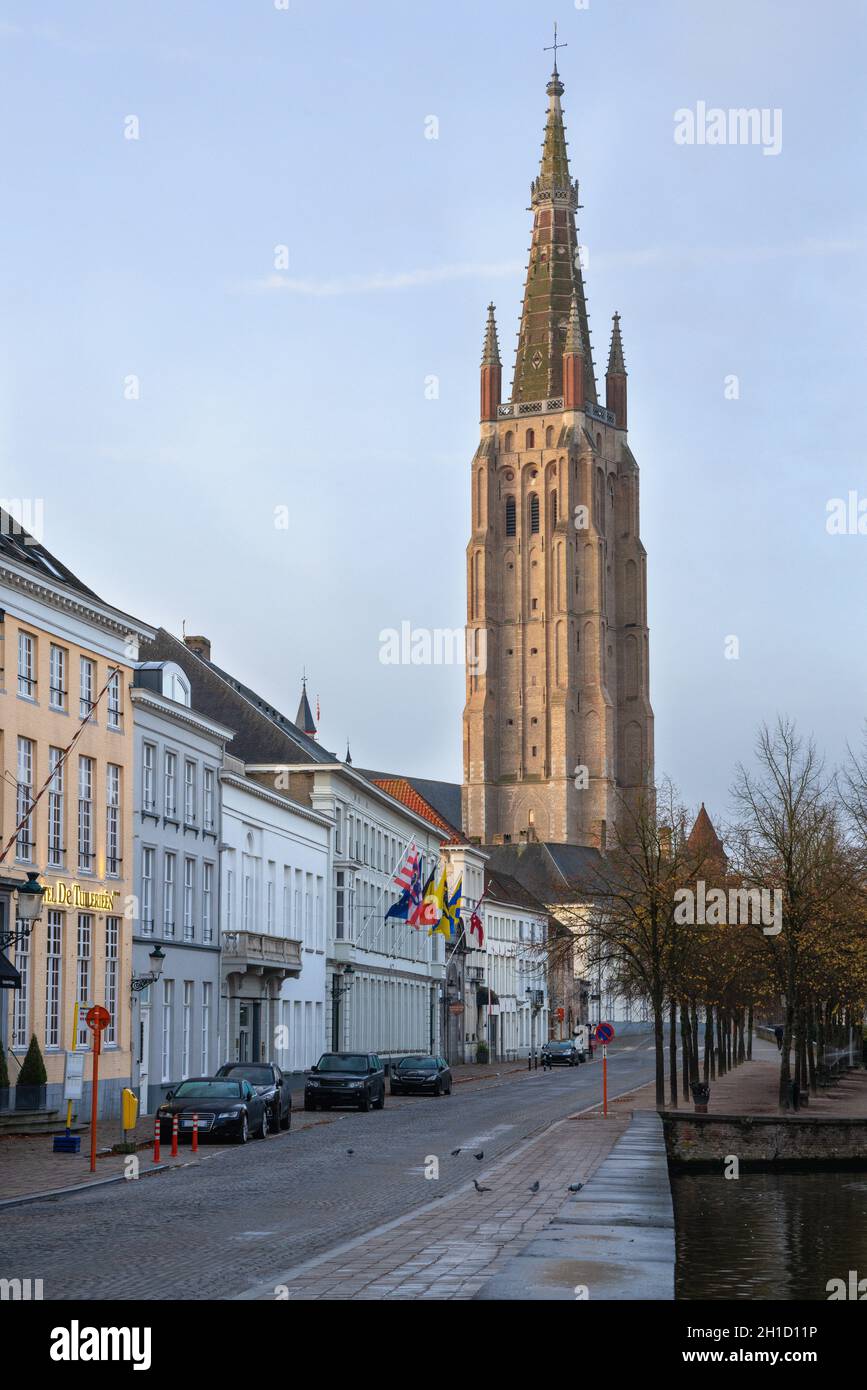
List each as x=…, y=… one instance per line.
x=272, y=446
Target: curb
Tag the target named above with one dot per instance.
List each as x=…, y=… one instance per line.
x=25, y=1198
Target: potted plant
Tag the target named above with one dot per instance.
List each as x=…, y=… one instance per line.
x=481, y=1052
x=32, y=1080
x=4, y=1081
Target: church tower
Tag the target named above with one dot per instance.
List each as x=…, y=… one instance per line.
x=558, y=728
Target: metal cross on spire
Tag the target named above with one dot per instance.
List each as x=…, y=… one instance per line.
x=555, y=45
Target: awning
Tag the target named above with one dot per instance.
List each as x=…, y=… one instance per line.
x=9, y=976
x=484, y=996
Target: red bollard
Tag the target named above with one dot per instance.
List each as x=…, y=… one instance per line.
x=175, y=1135
x=157, y=1137
x=195, y=1134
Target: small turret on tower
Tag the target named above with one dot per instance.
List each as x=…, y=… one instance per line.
x=492, y=369
x=615, y=376
x=573, y=361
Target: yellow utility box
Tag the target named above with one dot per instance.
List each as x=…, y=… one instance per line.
x=129, y=1108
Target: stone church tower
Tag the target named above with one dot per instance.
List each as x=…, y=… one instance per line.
x=558, y=727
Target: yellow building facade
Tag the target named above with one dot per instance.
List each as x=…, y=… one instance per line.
x=65, y=665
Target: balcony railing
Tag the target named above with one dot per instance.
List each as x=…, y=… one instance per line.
x=250, y=948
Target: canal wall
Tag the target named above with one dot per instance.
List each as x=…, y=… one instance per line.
x=703, y=1142
x=612, y=1240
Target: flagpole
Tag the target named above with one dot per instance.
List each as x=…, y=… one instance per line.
x=390, y=881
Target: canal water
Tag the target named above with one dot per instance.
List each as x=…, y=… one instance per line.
x=768, y=1235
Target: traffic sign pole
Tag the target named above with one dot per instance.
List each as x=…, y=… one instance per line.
x=94, y=1096
x=604, y=1079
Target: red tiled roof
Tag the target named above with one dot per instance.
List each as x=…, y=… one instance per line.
x=402, y=790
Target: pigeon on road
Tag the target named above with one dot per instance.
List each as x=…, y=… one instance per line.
x=350, y=1152
x=480, y=1189
x=575, y=1186
x=480, y=1155
x=455, y=1153
x=535, y=1187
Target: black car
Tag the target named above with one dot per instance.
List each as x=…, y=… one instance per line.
x=227, y=1107
x=345, y=1078
x=562, y=1054
x=269, y=1082
x=421, y=1074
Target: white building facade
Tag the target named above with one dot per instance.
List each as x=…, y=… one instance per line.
x=516, y=1022
x=276, y=909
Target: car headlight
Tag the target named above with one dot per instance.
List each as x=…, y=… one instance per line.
x=229, y=1114
x=356, y=1083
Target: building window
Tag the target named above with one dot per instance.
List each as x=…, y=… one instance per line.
x=207, y=902
x=530, y=441
x=147, y=892
x=339, y=915
x=56, y=852
x=189, y=792
x=511, y=523
x=57, y=692
x=187, y=1029
x=269, y=905
x=113, y=717
x=25, y=841
x=553, y=509
x=87, y=683
x=230, y=898
x=82, y=976
x=112, y=820
x=170, y=803
x=338, y=830
x=210, y=818
x=21, y=1006
x=206, y=1024
x=534, y=512
x=27, y=665
x=168, y=893
x=168, y=1009
x=189, y=891
x=85, y=815
x=148, y=788
x=112, y=941
x=53, y=957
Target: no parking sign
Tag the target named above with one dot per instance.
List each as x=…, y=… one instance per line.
x=604, y=1032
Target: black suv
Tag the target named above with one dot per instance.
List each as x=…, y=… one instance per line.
x=345, y=1078
x=561, y=1054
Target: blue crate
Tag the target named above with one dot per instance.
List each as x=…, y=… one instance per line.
x=67, y=1143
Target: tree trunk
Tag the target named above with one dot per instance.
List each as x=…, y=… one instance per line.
x=686, y=1049
x=672, y=1052
x=708, y=1043
x=750, y=1033
x=811, y=1050
x=720, y=1043
x=693, y=1033
x=659, y=1049
x=785, y=1092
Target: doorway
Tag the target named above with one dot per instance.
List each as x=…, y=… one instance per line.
x=249, y=1031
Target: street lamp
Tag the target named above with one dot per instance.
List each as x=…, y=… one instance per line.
x=337, y=993
x=157, y=959
x=30, y=899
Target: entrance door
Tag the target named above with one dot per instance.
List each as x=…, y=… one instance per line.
x=144, y=1048
x=249, y=1032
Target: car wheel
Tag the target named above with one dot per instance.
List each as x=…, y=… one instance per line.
x=265, y=1126
x=438, y=1088
x=394, y=1091
x=286, y=1121
x=449, y=1091
x=364, y=1104
x=244, y=1133
x=274, y=1120
x=380, y=1104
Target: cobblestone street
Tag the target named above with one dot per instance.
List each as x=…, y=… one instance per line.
x=242, y=1222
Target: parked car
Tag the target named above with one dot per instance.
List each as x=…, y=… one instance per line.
x=227, y=1107
x=345, y=1078
x=269, y=1082
x=421, y=1074
x=566, y=1054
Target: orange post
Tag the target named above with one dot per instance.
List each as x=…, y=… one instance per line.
x=175, y=1135
x=195, y=1134
x=604, y=1079
x=94, y=1098
x=157, y=1137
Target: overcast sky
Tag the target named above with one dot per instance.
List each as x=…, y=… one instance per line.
x=303, y=385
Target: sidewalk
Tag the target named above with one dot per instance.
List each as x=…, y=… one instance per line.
x=451, y=1247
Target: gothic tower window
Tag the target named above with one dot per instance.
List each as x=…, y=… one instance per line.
x=530, y=441
x=508, y=442
x=510, y=516
x=549, y=436
x=553, y=509
x=534, y=512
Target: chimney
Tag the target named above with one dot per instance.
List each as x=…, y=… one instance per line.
x=200, y=645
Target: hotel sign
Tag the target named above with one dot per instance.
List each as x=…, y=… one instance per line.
x=73, y=895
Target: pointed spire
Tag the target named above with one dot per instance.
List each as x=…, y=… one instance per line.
x=491, y=347
x=554, y=271
x=574, y=341
x=704, y=840
x=304, y=718
x=348, y=758
x=615, y=355
x=492, y=370
x=615, y=377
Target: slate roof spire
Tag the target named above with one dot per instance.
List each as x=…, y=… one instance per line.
x=615, y=355
x=304, y=718
x=554, y=270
